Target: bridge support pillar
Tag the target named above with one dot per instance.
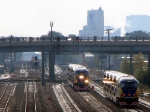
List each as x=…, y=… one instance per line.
x=148, y=60
x=109, y=61
x=51, y=67
x=3, y=57
x=131, y=68
x=43, y=71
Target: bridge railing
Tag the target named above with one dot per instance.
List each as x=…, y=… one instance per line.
x=131, y=38
x=41, y=39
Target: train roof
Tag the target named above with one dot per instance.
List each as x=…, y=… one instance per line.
x=119, y=76
x=128, y=79
x=76, y=66
x=81, y=70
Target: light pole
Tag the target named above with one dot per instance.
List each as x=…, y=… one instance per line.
x=108, y=32
x=51, y=25
x=11, y=62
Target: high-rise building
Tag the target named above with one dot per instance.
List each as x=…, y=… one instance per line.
x=137, y=22
x=95, y=24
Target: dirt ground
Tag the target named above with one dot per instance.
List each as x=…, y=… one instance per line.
x=49, y=102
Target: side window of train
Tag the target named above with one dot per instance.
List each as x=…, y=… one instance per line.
x=112, y=88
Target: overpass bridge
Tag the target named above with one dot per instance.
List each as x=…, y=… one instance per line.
x=117, y=45
x=121, y=45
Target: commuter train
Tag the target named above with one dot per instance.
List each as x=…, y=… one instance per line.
x=78, y=77
x=121, y=88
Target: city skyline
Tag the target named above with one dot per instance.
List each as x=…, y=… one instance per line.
x=95, y=24
x=32, y=17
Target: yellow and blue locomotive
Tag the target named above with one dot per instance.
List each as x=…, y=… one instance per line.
x=78, y=77
x=121, y=88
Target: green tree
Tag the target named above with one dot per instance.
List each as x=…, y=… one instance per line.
x=55, y=34
x=125, y=66
x=140, y=69
x=146, y=77
x=143, y=76
x=139, y=64
x=138, y=34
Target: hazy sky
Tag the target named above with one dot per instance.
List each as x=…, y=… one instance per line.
x=32, y=17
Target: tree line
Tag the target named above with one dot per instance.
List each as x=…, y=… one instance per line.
x=140, y=68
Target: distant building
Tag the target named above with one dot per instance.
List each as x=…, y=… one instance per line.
x=113, y=33
x=137, y=22
x=1, y=69
x=95, y=24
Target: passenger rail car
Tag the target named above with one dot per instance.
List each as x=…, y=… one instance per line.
x=78, y=77
x=121, y=88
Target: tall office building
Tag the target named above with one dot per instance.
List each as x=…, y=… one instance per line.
x=137, y=22
x=95, y=24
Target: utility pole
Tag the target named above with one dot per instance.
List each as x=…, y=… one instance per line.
x=108, y=32
x=51, y=38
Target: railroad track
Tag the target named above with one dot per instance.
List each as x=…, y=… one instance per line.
x=99, y=107
x=64, y=99
x=31, y=101
x=132, y=110
x=144, y=103
x=5, y=96
x=99, y=90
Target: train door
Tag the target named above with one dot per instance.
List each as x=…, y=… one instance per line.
x=114, y=93
x=105, y=89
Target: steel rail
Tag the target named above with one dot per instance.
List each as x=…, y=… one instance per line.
x=64, y=99
x=33, y=86
x=4, y=91
x=11, y=92
x=94, y=103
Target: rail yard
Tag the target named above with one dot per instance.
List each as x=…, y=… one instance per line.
x=25, y=93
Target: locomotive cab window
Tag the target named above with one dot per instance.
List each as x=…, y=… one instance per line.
x=128, y=84
x=85, y=73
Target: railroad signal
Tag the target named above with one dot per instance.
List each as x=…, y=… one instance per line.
x=35, y=57
x=58, y=39
x=58, y=46
x=77, y=39
x=36, y=63
x=58, y=49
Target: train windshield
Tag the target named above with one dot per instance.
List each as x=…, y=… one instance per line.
x=128, y=84
x=85, y=73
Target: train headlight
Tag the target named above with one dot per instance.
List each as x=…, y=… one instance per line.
x=86, y=81
x=81, y=77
